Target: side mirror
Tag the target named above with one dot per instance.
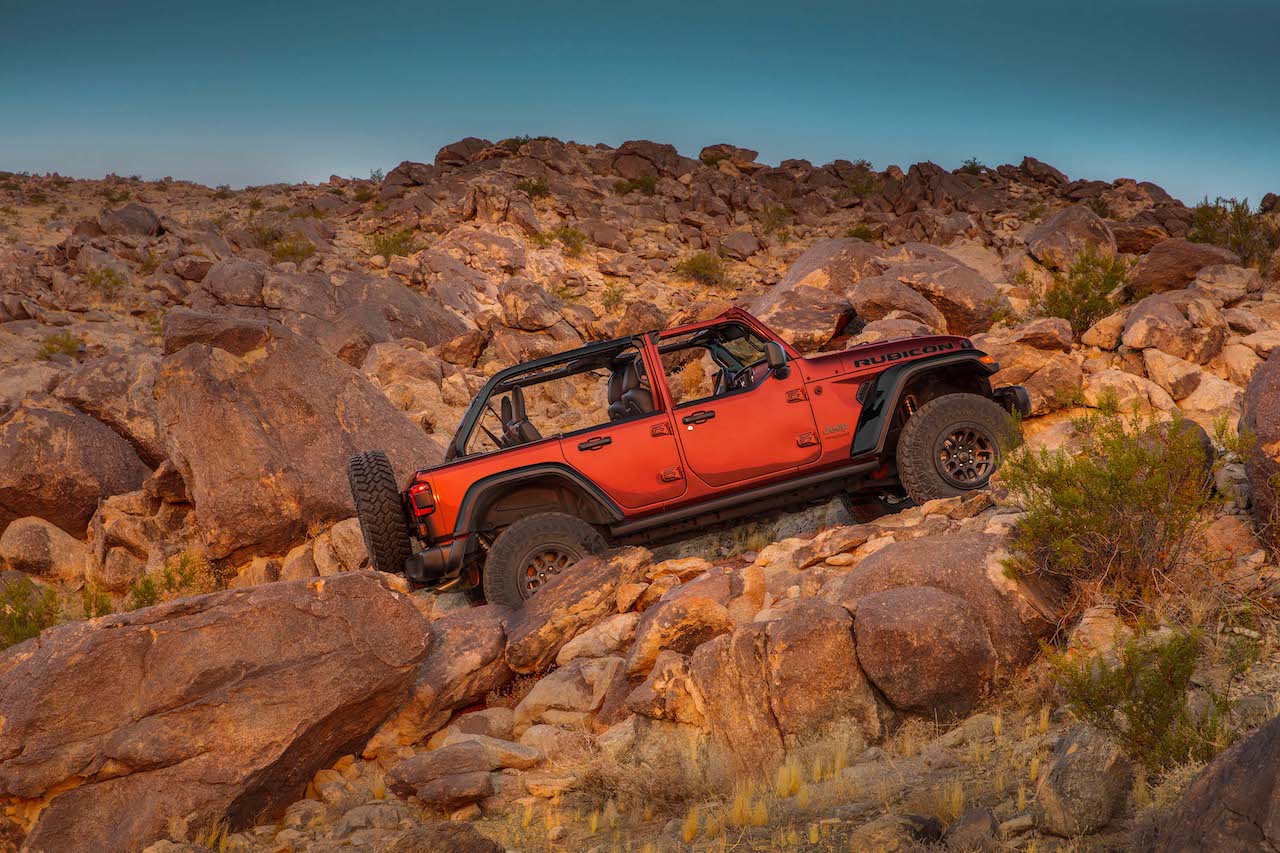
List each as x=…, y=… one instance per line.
x=776, y=357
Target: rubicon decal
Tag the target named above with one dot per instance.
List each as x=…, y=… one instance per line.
x=898, y=355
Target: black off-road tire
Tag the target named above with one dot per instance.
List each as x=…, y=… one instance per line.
x=379, y=508
x=926, y=466
x=865, y=508
x=545, y=543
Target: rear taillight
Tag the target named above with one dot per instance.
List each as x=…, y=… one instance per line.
x=424, y=502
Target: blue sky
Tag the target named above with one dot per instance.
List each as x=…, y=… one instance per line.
x=1181, y=93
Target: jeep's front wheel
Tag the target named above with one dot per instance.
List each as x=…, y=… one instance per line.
x=532, y=550
x=381, y=514
x=951, y=445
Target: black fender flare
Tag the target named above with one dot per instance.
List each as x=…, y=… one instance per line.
x=886, y=392
x=474, y=498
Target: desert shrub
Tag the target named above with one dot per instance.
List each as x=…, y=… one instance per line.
x=972, y=166
x=1141, y=701
x=150, y=263
x=59, y=343
x=713, y=159
x=263, y=236
x=862, y=232
x=514, y=143
x=255, y=204
x=863, y=182
x=292, y=248
x=113, y=195
x=646, y=184
x=37, y=197
x=223, y=191
x=533, y=187
x=377, y=175
x=612, y=298
x=702, y=267
x=1233, y=224
x=338, y=191
x=25, y=611
x=1117, y=515
x=106, y=280
x=572, y=241
x=184, y=574
x=94, y=602
x=396, y=243
x=774, y=216
x=1081, y=295
x=1036, y=211
x=364, y=193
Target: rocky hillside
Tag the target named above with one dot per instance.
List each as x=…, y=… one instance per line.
x=184, y=370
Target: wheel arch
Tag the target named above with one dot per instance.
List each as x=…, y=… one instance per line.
x=922, y=380
x=499, y=499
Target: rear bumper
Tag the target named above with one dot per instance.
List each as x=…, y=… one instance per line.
x=1014, y=399
x=437, y=564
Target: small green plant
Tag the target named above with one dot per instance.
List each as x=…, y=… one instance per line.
x=1100, y=206
x=1037, y=211
x=113, y=195
x=1116, y=516
x=263, y=236
x=150, y=263
x=37, y=197
x=612, y=298
x=862, y=232
x=1081, y=295
x=377, y=175
x=514, y=143
x=863, y=182
x=1140, y=701
x=255, y=204
x=533, y=187
x=646, y=184
x=364, y=194
x=704, y=268
x=338, y=191
x=222, y=191
x=396, y=243
x=94, y=602
x=1233, y=224
x=972, y=166
x=184, y=574
x=572, y=241
x=774, y=216
x=59, y=343
x=25, y=611
x=292, y=248
x=106, y=280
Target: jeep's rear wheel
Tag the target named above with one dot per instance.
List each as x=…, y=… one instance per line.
x=951, y=445
x=533, y=550
x=381, y=514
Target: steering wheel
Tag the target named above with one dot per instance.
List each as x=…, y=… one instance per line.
x=745, y=377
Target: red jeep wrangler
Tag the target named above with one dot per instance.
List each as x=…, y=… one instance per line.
x=654, y=436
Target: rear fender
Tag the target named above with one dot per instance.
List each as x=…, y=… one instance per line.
x=501, y=498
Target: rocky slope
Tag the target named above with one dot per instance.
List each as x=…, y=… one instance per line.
x=184, y=370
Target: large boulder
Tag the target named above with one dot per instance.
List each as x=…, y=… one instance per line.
x=36, y=547
x=805, y=317
x=1174, y=264
x=1084, y=785
x=681, y=625
x=220, y=707
x=960, y=293
x=58, y=463
x=878, y=296
x=1261, y=417
x=260, y=422
x=1058, y=239
x=832, y=265
x=118, y=390
x=1037, y=355
x=926, y=651
x=1181, y=324
x=770, y=684
x=570, y=603
x=132, y=220
x=1231, y=805
x=969, y=566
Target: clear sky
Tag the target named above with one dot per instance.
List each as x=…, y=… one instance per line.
x=1183, y=93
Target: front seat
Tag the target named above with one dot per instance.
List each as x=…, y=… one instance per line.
x=516, y=420
x=627, y=396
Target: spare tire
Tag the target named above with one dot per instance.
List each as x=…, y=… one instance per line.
x=380, y=510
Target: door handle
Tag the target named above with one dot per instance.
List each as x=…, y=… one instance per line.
x=595, y=443
x=698, y=417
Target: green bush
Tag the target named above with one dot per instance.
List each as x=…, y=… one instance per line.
x=1140, y=701
x=113, y=195
x=106, y=280
x=25, y=611
x=364, y=193
x=264, y=236
x=59, y=343
x=185, y=574
x=533, y=187
x=1117, y=515
x=572, y=241
x=774, y=216
x=703, y=267
x=863, y=182
x=94, y=602
x=396, y=243
x=1081, y=295
x=972, y=166
x=514, y=143
x=223, y=191
x=648, y=185
x=1233, y=224
x=377, y=175
x=862, y=232
x=292, y=248
x=613, y=296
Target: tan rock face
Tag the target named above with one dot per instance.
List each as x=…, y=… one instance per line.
x=1261, y=416
x=38, y=548
x=1174, y=264
x=1057, y=240
x=219, y=706
x=680, y=625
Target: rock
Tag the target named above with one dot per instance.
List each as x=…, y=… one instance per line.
x=569, y=604
x=1263, y=343
x=805, y=317
x=968, y=566
x=895, y=833
x=1083, y=787
x=1261, y=417
x=1128, y=391
x=1037, y=356
x=220, y=707
x=57, y=463
x=1100, y=631
x=926, y=651
x=466, y=663
x=527, y=306
x=966, y=299
x=119, y=391
x=975, y=829
x=1058, y=239
x=833, y=265
x=36, y=547
x=443, y=837
x=133, y=220
x=668, y=692
x=291, y=411
x=1179, y=324
x=1105, y=334
x=1213, y=400
x=769, y=683
x=1224, y=284
x=568, y=695
x=450, y=777
x=608, y=637
x=1174, y=375
x=740, y=245
x=1232, y=804
x=1173, y=264
x=680, y=625
x=876, y=297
